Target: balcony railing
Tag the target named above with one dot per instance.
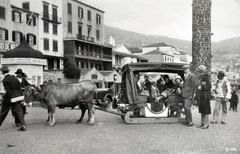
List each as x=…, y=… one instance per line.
x=90, y=39
x=50, y=17
x=81, y=37
x=91, y=54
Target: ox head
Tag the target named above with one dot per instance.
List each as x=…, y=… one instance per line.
x=31, y=94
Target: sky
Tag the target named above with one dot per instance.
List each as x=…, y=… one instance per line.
x=172, y=18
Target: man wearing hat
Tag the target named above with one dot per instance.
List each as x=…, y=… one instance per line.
x=24, y=84
x=222, y=92
x=12, y=97
x=189, y=86
x=147, y=84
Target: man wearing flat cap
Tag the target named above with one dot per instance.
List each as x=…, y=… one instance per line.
x=24, y=84
x=12, y=98
x=189, y=86
x=222, y=92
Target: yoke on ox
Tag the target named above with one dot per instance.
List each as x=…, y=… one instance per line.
x=63, y=95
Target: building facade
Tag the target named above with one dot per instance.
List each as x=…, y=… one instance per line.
x=16, y=21
x=83, y=34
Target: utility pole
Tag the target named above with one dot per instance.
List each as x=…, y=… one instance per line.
x=201, y=34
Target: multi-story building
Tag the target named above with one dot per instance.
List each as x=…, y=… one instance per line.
x=16, y=21
x=83, y=35
x=40, y=21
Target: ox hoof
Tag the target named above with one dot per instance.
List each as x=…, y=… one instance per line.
x=51, y=124
x=79, y=121
x=90, y=123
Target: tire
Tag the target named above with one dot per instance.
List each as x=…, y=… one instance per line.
x=108, y=103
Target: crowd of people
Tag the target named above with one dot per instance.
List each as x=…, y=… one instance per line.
x=13, y=97
x=196, y=88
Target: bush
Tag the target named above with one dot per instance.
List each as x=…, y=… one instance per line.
x=71, y=70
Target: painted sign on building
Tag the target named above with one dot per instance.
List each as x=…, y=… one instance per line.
x=7, y=45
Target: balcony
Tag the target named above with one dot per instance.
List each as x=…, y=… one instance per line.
x=96, y=56
x=81, y=37
x=51, y=18
x=90, y=39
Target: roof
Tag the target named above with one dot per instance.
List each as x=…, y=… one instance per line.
x=161, y=44
x=154, y=67
x=23, y=51
x=106, y=73
x=128, y=55
x=85, y=70
x=156, y=52
x=134, y=49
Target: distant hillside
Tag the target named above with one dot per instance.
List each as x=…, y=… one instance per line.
x=139, y=40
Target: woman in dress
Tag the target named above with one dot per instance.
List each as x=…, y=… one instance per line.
x=203, y=96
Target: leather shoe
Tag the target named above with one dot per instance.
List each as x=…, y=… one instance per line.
x=202, y=125
x=190, y=125
x=222, y=122
x=205, y=127
x=23, y=128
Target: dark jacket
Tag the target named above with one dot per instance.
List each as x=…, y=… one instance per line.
x=12, y=86
x=206, y=86
x=147, y=84
x=189, y=86
x=168, y=85
x=24, y=84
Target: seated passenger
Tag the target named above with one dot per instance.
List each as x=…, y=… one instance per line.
x=137, y=78
x=147, y=85
x=155, y=91
x=168, y=83
x=177, y=87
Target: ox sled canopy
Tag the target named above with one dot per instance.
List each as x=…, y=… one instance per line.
x=143, y=107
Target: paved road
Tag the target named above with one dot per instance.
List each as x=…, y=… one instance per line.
x=110, y=135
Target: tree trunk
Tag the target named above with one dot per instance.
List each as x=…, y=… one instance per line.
x=201, y=34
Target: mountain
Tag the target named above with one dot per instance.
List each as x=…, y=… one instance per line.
x=139, y=40
x=228, y=46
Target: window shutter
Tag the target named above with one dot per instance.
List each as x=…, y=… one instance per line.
x=13, y=16
x=34, y=39
x=27, y=18
x=20, y=17
x=28, y=38
x=13, y=36
x=6, y=34
x=34, y=21
x=21, y=37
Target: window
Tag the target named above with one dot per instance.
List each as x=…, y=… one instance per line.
x=89, y=31
x=70, y=27
x=55, y=45
x=94, y=76
x=2, y=12
x=16, y=36
x=98, y=34
x=3, y=34
x=16, y=16
x=89, y=15
x=30, y=20
x=45, y=11
x=54, y=10
x=31, y=39
x=80, y=29
x=45, y=27
x=80, y=12
x=69, y=8
x=25, y=5
x=98, y=19
x=46, y=44
x=55, y=29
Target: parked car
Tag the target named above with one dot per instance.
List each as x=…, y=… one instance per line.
x=104, y=96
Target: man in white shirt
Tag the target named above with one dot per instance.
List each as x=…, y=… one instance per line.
x=222, y=95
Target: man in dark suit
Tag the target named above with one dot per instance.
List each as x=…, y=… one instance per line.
x=12, y=97
x=188, y=89
x=24, y=83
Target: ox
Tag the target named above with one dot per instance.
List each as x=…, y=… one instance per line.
x=54, y=95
